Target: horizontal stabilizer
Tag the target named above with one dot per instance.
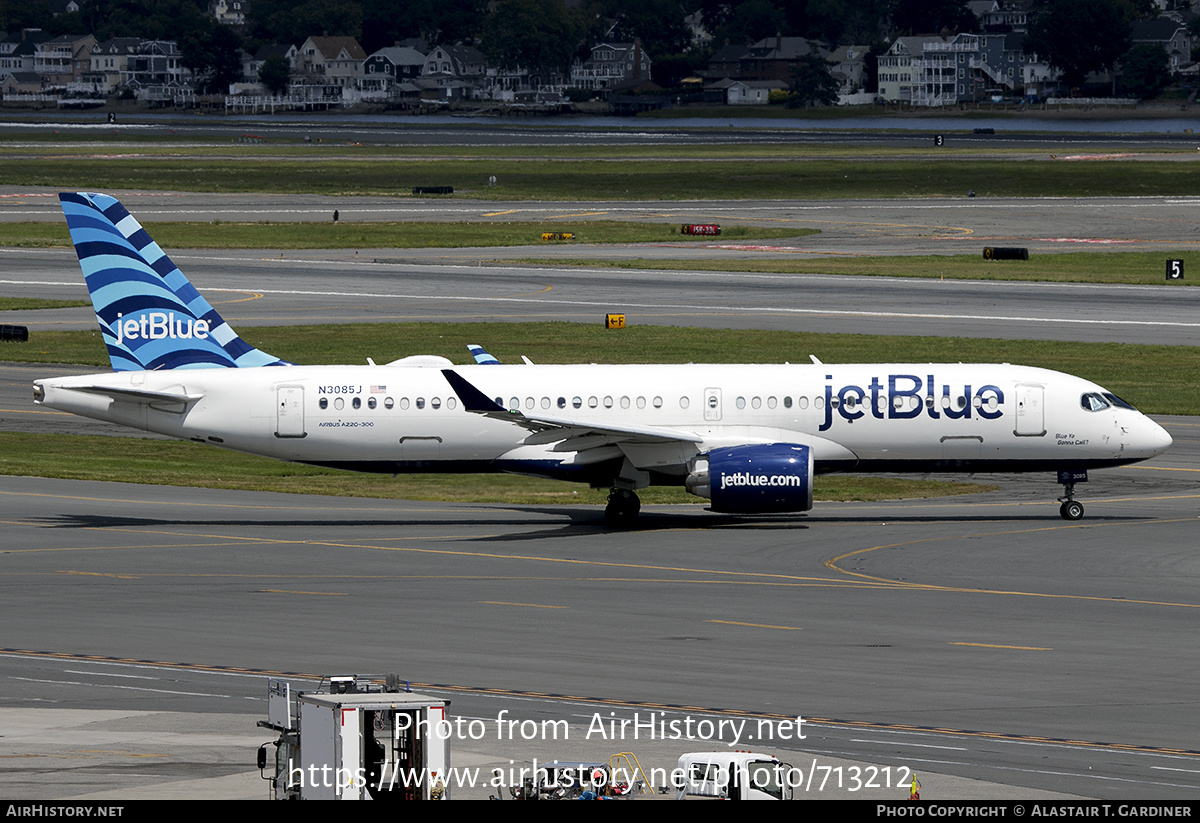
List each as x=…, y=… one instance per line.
x=140, y=395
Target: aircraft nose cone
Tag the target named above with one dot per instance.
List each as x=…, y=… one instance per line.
x=1151, y=439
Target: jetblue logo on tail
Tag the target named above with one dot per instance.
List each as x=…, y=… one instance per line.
x=157, y=325
x=151, y=316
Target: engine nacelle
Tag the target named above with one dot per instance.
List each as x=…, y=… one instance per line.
x=774, y=477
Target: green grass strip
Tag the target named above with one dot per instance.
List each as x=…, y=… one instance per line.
x=631, y=179
x=33, y=304
x=347, y=234
x=1138, y=267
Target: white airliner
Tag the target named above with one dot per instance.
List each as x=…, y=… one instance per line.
x=747, y=437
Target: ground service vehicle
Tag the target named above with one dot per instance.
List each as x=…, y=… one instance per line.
x=732, y=776
x=356, y=740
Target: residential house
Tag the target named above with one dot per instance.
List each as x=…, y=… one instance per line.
x=611, y=64
x=253, y=63
x=329, y=66
x=452, y=72
x=774, y=58
x=751, y=92
x=848, y=67
x=1172, y=35
x=155, y=72
x=64, y=59
x=388, y=68
x=229, y=12
x=938, y=71
x=110, y=64
x=19, y=82
x=1001, y=16
x=16, y=50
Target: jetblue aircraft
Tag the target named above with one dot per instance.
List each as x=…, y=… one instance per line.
x=749, y=438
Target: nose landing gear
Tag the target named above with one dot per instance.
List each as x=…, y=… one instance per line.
x=1071, y=509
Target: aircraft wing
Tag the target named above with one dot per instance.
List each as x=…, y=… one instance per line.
x=573, y=433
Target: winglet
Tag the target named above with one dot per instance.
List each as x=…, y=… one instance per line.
x=150, y=315
x=482, y=356
x=473, y=399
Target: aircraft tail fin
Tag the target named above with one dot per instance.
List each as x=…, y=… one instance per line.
x=482, y=356
x=150, y=315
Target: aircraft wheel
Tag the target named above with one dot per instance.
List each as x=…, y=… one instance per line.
x=623, y=507
x=1071, y=510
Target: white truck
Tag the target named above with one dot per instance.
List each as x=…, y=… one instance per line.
x=732, y=776
x=356, y=740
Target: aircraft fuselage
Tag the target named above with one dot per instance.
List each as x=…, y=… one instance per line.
x=880, y=417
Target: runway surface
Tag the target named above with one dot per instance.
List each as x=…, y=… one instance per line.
x=970, y=639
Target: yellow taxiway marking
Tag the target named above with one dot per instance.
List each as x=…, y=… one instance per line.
x=757, y=625
x=581, y=214
x=998, y=646
x=252, y=296
x=530, y=293
x=832, y=565
x=1161, y=468
x=499, y=213
x=179, y=503
x=103, y=574
x=33, y=411
x=530, y=605
x=290, y=591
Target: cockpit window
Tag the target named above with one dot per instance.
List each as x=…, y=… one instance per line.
x=1118, y=402
x=1093, y=402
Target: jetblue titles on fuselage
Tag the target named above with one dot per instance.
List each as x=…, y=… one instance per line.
x=907, y=396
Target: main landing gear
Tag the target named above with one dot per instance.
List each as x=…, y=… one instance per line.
x=622, y=509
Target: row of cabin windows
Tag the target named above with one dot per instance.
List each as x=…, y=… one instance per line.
x=904, y=403
x=339, y=403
